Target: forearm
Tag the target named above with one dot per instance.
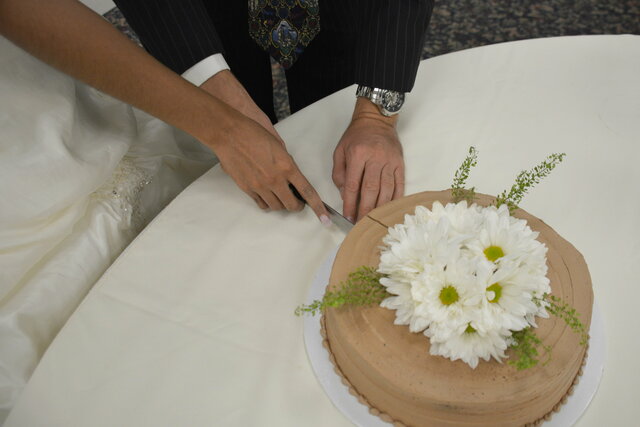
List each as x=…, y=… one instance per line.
x=72, y=38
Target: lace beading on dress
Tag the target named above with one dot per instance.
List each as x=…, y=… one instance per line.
x=122, y=191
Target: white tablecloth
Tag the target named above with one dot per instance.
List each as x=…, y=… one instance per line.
x=193, y=324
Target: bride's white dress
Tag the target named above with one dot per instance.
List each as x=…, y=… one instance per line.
x=80, y=174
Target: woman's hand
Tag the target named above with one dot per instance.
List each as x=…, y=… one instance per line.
x=259, y=164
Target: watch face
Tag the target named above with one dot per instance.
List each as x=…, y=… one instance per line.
x=392, y=101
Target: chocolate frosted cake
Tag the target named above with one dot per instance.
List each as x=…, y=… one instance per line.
x=392, y=371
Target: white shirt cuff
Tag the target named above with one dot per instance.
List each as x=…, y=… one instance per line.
x=203, y=70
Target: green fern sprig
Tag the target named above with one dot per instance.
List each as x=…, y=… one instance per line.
x=362, y=287
x=458, y=190
x=525, y=349
x=527, y=179
x=563, y=310
x=526, y=343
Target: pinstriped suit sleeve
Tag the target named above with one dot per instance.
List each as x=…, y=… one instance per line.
x=389, y=45
x=178, y=34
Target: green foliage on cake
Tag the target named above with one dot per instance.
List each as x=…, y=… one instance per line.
x=361, y=288
x=527, y=179
x=458, y=190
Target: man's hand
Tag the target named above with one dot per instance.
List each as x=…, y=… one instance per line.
x=224, y=86
x=260, y=165
x=368, y=167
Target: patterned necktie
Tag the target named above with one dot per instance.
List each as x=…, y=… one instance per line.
x=284, y=27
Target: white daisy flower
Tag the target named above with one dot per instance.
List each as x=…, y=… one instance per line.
x=465, y=276
x=508, y=297
x=503, y=238
x=469, y=345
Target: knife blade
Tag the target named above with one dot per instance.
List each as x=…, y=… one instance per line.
x=336, y=218
x=340, y=221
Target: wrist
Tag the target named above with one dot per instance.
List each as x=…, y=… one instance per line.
x=389, y=101
x=224, y=86
x=229, y=90
x=367, y=110
x=217, y=80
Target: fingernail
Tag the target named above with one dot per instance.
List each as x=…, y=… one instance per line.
x=325, y=220
x=350, y=219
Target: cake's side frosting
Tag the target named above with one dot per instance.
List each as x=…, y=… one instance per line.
x=393, y=370
x=386, y=417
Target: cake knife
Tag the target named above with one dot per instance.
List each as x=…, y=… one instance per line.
x=336, y=218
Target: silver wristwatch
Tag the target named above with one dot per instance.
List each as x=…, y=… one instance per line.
x=388, y=101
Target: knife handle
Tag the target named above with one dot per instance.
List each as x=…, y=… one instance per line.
x=295, y=192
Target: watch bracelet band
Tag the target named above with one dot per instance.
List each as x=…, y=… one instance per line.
x=376, y=95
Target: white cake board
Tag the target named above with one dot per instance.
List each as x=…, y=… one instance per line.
x=359, y=414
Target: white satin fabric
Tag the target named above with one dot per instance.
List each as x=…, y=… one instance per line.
x=193, y=324
x=80, y=174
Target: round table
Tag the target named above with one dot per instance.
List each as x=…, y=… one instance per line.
x=193, y=324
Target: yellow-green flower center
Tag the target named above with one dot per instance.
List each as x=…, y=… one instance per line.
x=470, y=329
x=449, y=295
x=493, y=253
x=496, y=288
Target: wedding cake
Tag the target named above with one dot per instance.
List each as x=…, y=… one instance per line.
x=402, y=375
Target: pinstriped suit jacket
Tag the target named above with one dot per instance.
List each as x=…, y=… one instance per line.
x=389, y=35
